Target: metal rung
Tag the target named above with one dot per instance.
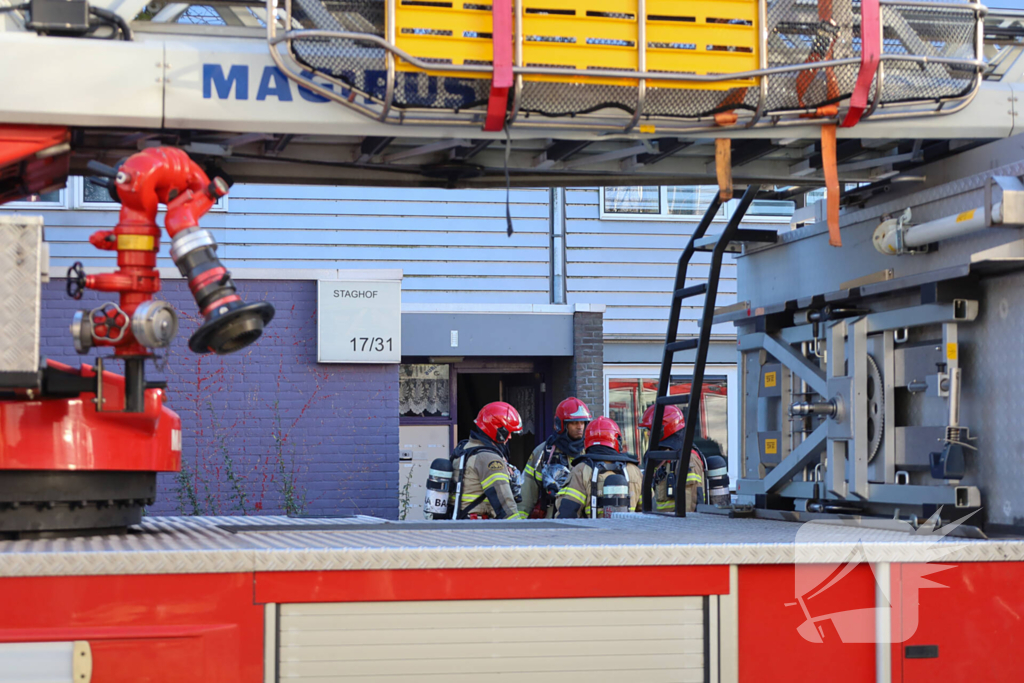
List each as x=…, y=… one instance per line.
x=735, y=244
x=687, y=292
x=684, y=345
x=678, y=399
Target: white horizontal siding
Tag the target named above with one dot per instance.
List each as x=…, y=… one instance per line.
x=451, y=244
x=630, y=266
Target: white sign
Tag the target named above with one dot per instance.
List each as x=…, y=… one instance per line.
x=359, y=321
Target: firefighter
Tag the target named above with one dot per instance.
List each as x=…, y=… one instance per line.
x=550, y=464
x=602, y=467
x=486, y=482
x=665, y=476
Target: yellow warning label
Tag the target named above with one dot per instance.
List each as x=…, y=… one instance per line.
x=965, y=216
x=135, y=242
x=771, y=446
x=770, y=379
x=647, y=129
x=951, y=351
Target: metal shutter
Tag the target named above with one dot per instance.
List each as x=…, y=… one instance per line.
x=588, y=640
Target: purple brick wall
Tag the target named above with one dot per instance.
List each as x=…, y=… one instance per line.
x=266, y=430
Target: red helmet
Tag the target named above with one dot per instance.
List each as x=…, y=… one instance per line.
x=603, y=431
x=671, y=422
x=571, y=410
x=499, y=420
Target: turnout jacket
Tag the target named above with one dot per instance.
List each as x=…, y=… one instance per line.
x=486, y=486
x=574, y=500
x=554, y=450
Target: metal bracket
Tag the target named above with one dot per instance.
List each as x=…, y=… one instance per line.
x=902, y=225
x=99, y=400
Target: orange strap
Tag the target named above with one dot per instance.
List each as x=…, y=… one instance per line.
x=828, y=161
x=723, y=167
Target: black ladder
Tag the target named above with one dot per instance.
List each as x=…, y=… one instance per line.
x=729, y=240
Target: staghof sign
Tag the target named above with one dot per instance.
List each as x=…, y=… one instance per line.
x=359, y=321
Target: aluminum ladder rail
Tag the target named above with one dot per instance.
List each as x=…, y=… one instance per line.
x=731, y=234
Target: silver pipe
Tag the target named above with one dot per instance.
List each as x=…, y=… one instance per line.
x=954, y=397
x=641, y=62
x=612, y=73
x=517, y=60
x=762, y=96
x=389, y=87
x=975, y=7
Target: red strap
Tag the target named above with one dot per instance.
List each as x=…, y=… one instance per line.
x=870, y=52
x=501, y=81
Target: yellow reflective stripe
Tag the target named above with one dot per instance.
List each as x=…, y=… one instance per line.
x=574, y=494
x=518, y=515
x=666, y=505
x=530, y=470
x=493, y=479
x=691, y=477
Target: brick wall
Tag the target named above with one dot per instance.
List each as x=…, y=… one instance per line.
x=266, y=430
x=588, y=359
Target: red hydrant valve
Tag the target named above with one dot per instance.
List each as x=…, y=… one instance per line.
x=144, y=181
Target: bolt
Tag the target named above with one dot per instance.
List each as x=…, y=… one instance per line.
x=122, y=178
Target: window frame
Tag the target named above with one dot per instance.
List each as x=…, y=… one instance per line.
x=732, y=388
x=663, y=215
x=77, y=186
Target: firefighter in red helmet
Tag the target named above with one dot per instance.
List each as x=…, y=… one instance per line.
x=665, y=476
x=550, y=464
x=604, y=479
x=484, y=477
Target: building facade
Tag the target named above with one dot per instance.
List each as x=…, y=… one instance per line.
x=573, y=302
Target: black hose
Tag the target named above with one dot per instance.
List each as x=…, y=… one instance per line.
x=126, y=30
x=15, y=8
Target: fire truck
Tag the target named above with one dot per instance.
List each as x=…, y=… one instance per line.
x=874, y=532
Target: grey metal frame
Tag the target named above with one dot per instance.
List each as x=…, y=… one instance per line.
x=847, y=474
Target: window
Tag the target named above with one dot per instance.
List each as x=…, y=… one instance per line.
x=89, y=195
x=629, y=397
x=55, y=199
x=424, y=390
x=683, y=202
x=631, y=200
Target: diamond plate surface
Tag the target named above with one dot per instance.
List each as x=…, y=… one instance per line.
x=991, y=398
x=21, y=240
x=195, y=545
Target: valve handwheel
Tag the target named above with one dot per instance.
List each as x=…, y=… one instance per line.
x=109, y=322
x=76, y=280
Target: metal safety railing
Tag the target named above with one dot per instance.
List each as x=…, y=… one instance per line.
x=653, y=65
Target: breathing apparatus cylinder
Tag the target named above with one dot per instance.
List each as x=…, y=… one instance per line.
x=718, y=481
x=614, y=495
x=439, y=485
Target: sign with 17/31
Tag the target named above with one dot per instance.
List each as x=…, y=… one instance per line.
x=359, y=321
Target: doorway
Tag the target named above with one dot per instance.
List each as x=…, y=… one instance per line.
x=523, y=390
